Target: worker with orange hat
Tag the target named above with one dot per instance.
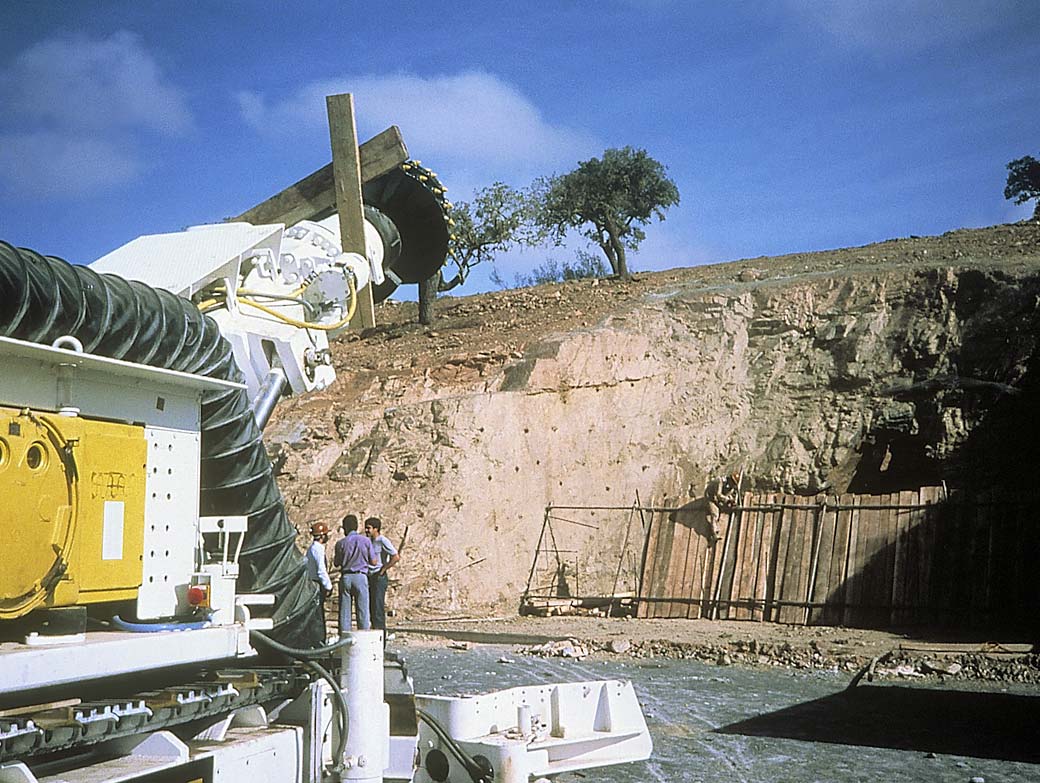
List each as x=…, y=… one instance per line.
x=317, y=568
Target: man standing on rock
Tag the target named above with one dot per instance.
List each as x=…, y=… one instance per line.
x=355, y=555
x=377, y=578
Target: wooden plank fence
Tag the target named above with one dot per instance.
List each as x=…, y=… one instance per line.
x=900, y=559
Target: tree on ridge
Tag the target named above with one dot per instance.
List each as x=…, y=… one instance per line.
x=607, y=199
x=1023, y=182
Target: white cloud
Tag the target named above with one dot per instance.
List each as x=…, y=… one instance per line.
x=902, y=25
x=474, y=120
x=48, y=164
x=74, y=110
x=77, y=82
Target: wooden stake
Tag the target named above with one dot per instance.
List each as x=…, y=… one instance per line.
x=346, y=171
x=722, y=570
x=814, y=559
x=621, y=560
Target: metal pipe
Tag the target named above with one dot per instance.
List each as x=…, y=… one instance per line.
x=270, y=392
x=368, y=717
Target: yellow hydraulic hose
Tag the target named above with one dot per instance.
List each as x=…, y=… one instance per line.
x=209, y=304
x=221, y=292
x=254, y=292
x=305, y=324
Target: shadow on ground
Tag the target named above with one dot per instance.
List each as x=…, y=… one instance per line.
x=982, y=725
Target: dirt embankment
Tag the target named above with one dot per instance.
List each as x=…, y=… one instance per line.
x=473, y=332
x=591, y=391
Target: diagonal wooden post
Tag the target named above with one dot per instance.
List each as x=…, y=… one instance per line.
x=314, y=196
x=537, y=553
x=621, y=560
x=346, y=172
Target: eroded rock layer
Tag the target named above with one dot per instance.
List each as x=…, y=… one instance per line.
x=866, y=370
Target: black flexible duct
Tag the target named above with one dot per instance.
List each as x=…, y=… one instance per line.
x=43, y=298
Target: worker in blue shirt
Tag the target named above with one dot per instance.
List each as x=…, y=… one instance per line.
x=317, y=569
x=377, y=578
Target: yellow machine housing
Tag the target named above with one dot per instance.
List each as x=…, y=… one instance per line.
x=72, y=517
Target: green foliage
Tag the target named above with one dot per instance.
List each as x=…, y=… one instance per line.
x=1023, y=182
x=498, y=218
x=584, y=266
x=607, y=199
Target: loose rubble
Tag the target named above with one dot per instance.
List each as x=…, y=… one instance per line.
x=563, y=649
x=897, y=664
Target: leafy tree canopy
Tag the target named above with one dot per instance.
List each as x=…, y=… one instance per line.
x=496, y=220
x=1023, y=182
x=607, y=199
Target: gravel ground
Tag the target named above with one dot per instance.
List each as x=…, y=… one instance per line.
x=755, y=725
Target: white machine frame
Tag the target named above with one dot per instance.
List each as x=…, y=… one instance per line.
x=167, y=404
x=277, y=293
x=525, y=733
x=302, y=267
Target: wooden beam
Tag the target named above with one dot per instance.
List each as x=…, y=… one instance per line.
x=346, y=168
x=314, y=196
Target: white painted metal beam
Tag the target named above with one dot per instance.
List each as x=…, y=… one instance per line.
x=110, y=654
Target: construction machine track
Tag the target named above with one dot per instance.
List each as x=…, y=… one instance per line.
x=35, y=731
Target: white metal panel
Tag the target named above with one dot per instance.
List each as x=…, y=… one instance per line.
x=57, y=357
x=185, y=261
x=171, y=513
x=125, y=769
x=580, y=725
x=256, y=339
x=110, y=653
x=112, y=530
x=256, y=755
x=16, y=772
x=101, y=387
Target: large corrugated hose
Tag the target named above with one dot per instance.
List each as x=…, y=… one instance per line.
x=43, y=298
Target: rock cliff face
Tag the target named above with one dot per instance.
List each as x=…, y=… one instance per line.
x=815, y=373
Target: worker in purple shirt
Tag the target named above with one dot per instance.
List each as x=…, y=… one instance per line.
x=354, y=555
x=377, y=578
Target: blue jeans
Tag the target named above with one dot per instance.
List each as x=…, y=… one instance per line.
x=353, y=589
x=377, y=598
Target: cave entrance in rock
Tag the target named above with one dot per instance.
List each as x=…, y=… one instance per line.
x=893, y=462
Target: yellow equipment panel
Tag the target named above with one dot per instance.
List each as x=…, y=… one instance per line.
x=72, y=516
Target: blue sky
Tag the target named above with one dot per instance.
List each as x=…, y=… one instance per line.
x=788, y=126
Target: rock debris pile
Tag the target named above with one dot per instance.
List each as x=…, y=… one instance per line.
x=1023, y=668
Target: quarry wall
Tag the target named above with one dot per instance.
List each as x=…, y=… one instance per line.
x=855, y=380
